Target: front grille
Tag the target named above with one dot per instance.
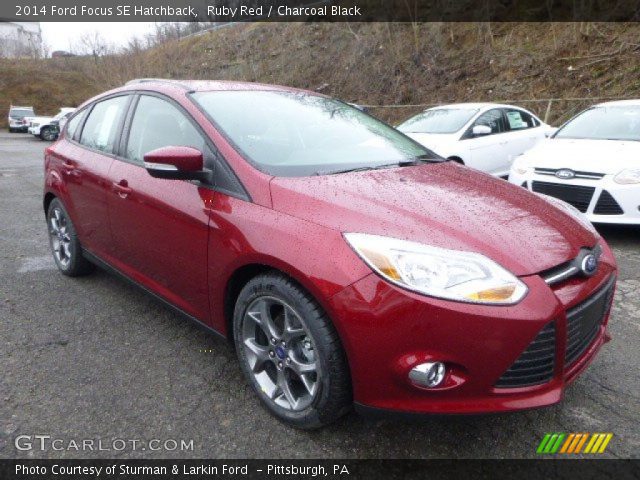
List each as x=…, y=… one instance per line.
x=577, y=174
x=584, y=321
x=607, y=205
x=535, y=365
x=577, y=195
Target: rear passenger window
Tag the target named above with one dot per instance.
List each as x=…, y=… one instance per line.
x=519, y=120
x=157, y=123
x=100, y=129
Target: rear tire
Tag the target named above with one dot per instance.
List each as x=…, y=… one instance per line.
x=290, y=353
x=12, y=130
x=65, y=246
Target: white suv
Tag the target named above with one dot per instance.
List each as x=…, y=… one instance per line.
x=46, y=128
x=19, y=118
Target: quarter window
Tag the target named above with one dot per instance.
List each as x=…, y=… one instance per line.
x=101, y=128
x=72, y=126
x=157, y=123
x=492, y=119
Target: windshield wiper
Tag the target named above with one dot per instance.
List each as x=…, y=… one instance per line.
x=404, y=163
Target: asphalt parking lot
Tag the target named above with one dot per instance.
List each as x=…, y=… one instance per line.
x=95, y=358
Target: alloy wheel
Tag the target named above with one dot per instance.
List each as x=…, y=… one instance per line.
x=60, y=237
x=281, y=354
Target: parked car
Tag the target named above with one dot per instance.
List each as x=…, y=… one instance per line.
x=485, y=136
x=19, y=117
x=47, y=128
x=346, y=262
x=592, y=162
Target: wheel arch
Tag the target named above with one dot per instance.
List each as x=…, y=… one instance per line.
x=46, y=201
x=245, y=273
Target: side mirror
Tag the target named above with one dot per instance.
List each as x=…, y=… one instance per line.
x=177, y=163
x=480, y=130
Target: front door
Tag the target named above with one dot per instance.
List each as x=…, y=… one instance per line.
x=160, y=227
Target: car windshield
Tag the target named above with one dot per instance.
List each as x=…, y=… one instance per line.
x=604, y=123
x=300, y=134
x=21, y=113
x=438, y=120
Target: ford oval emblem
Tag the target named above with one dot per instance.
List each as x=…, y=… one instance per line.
x=589, y=264
x=565, y=173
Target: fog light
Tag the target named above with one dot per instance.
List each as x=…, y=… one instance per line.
x=428, y=374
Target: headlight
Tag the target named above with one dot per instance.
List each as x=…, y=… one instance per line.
x=627, y=177
x=438, y=272
x=571, y=210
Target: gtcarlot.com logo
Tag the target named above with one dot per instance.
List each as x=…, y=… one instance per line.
x=574, y=443
x=48, y=442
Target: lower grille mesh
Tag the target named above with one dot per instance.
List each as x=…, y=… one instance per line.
x=607, y=205
x=577, y=195
x=583, y=322
x=535, y=365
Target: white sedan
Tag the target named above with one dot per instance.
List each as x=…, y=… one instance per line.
x=484, y=136
x=592, y=163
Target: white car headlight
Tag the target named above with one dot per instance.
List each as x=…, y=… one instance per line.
x=438, y=272
x=628, y=176
x=571, y=210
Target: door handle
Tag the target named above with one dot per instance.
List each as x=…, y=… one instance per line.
x=122, y=188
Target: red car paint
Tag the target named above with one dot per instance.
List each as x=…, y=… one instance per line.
x=189, y=244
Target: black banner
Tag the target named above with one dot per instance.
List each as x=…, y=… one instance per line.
x=224, y=11
x=581, y=469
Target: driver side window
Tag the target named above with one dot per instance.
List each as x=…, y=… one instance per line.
x=157, y=123
x=492, y=119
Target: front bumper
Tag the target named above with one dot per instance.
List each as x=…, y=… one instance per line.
x=386, y=331
x=627, y=197
x=34, y=131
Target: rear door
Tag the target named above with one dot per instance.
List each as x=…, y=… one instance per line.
x=159, y=226
x=524, y=131
x=84, y=160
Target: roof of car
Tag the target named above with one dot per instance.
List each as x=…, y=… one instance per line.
x=620, y=103
x=207, y=85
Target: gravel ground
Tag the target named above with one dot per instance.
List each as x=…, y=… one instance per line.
x=95, y=358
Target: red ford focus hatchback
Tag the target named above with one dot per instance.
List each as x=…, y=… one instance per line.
x=346, y=263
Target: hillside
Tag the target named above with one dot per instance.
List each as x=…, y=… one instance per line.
x=372, y=64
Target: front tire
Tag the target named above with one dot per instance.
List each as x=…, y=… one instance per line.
x=290, y=353
x=65, y=246
x=47, y=134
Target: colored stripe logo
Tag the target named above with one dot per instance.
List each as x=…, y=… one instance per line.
x=574, y=443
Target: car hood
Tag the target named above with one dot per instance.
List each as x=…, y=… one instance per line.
x=40, y=119
x=440, y=204
x=598, y=156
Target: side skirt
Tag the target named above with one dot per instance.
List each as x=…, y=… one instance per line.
x=109, y=268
